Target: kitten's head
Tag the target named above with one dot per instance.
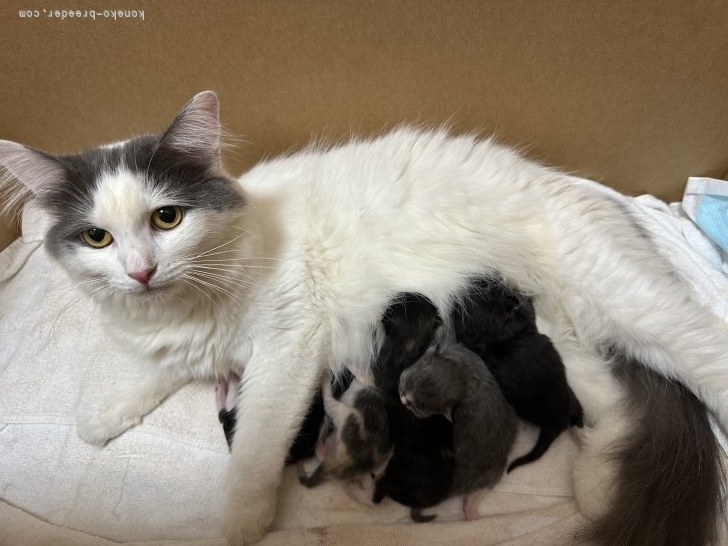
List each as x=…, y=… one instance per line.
x=424, y=388
x=410, y=323
x=149, y=216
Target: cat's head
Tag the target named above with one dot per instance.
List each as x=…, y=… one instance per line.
x=149, y=216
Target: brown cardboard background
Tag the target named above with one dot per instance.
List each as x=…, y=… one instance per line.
x=634, y=94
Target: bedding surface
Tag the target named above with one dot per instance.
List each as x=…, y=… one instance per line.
x=161, y=482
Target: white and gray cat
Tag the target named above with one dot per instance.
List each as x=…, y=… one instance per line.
x=287, y=270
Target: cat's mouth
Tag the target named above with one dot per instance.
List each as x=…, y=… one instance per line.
x=149, y=290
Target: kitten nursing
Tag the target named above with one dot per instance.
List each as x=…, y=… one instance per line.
x=359, y=442
x=419, y=474
x=500, y=327
x=432, y=460
x=455, y=382
x=285, y=272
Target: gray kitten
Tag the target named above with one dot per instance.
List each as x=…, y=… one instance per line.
x=455, y=382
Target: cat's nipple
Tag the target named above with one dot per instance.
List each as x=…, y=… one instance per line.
x=143, y=275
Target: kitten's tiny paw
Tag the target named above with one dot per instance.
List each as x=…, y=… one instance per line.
x=248, y=517
x=96, y=426
x=361, y=490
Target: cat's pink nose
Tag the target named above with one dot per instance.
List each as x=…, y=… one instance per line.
x=143, y=275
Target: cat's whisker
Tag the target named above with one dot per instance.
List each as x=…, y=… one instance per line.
x=245, y=231
x=221, y=279
x=226, y=280
x=244, y=254
x=217, y=291
x=230, y=266
x=242, y=260
x=203, y=292
x=81, y=201
x=135, y=147
x=227, y=270
x=69, y=304
x=160, y=176
x=80, y=286
x=233, y=269
x=201, y=278
x=154, y=152
x=207, y=252
x=223, y=282
x=246, y=261
x=72, y=302
x=231, y=273
x=228, y=251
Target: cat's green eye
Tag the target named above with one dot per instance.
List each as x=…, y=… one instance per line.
x=167, y=217
x=96, y=238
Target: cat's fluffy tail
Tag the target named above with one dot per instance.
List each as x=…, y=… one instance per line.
x=670, y=475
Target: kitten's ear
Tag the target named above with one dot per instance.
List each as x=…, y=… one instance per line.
x=196, y=132
x=27, y=171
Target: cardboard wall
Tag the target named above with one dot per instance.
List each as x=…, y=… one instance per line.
x=630, y=93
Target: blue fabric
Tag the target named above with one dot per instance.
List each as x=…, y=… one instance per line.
x=712, y=217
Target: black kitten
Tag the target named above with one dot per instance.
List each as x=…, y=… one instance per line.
x=419, y=474
x=500, y=326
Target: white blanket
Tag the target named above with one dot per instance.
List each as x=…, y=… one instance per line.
x=161, y=482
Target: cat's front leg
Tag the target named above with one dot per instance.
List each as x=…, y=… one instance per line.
x=277, y=387
x=123, y=402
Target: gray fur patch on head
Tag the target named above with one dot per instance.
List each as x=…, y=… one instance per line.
x=187, y=181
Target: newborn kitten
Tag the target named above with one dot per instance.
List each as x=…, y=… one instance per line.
x=455, y=383
x=500, y=326
x=354, y=439
x=419, y=474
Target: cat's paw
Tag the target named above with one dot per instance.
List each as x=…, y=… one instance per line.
x=99, y=424
x=247, y=517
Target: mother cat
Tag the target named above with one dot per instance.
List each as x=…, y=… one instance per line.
x=287, y=271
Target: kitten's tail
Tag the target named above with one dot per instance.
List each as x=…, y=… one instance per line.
x=669, y=488
x=545, y=438
x=418, y=517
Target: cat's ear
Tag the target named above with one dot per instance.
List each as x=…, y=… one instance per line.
x=27, y=171
x=195, y=132
x=35, y=170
